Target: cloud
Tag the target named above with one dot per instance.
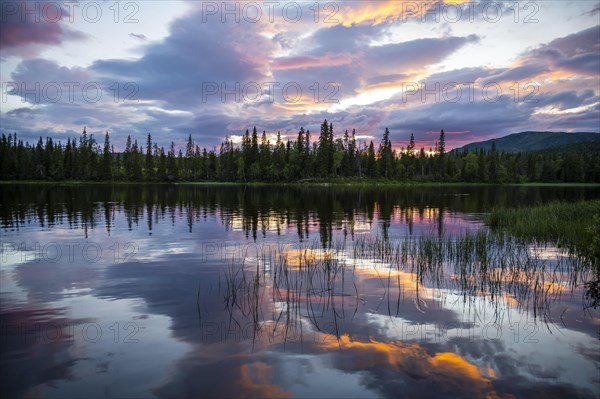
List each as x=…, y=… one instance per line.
x=361, y=60
x=575, y=53
x=311, y=62
x=594, y=11
x=25, y=33
x=484, y=115
x=24, y=112
x=139, y=36
x=406, y=370
x=386, y=11
x=356, y=65
x=27, y=362
x=49, y=75
x=177, y=69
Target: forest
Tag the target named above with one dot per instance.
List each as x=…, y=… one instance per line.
x=257, y=159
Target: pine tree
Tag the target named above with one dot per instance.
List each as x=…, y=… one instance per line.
x=149, y=163
x=40, y=173
x=351, y=155
x=279, y=158
x=441, y=155
x=189, y=159
x=325, y=155
x=254, y=146
x=171, y=163
x=386, y=155
x=136, y=163
x=493, y=164
x=371, y=161
x=48, y=159
x=410, y=149
x=107, y=159
x=265, y=158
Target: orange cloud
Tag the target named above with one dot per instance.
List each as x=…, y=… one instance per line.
x=449, y=371
x=311, y=62
x=378, y=12
x=254, y=382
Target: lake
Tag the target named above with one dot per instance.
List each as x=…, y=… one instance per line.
x=234, y=291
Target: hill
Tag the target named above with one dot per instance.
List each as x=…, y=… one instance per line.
x=533, y=141
x=588, y=147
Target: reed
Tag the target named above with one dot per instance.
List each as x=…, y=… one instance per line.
x=322, y=285
x=569, y=225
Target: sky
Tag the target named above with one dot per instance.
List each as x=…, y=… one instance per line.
x=212, y=69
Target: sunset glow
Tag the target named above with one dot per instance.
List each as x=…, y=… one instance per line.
x=483, y=69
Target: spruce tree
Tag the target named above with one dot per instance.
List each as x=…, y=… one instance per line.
x=149, y=163
x=107, y=159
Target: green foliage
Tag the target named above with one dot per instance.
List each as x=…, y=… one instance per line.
x=538, y=141
x=593, y=286
x=568, y=224
x=257, y=159
x=575, y=226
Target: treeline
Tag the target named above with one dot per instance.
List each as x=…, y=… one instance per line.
x=258, y=159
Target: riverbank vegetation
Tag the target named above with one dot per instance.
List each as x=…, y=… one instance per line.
x=573, y=226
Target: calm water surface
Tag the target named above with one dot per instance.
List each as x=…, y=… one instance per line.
x=206, y=291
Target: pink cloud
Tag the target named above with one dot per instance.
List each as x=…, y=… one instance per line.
x=311, y=62
x=26, y=35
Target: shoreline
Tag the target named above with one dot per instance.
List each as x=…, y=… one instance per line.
x=332, y=183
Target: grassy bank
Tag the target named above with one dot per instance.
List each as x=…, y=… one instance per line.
x=573, y=225
x=342, y=182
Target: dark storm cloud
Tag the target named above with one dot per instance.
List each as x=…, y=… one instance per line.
x=27, y=27
x=567, y=99
x=477, y=119
x=22, y=339
x=40, y=81
x=195, y=53
x=349, y=38
x=24, y=112
x=577, y=53
x=416, y=54
x=518, y=74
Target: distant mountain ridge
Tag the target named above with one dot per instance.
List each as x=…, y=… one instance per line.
x=532, y=141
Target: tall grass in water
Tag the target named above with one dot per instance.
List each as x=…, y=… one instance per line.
x=283, y=288
x=570, y=225
x=574, y=226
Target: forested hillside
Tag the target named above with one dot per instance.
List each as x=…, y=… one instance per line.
x=257, y=159
x=533, y=141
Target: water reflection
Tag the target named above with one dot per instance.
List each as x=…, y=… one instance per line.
x=260, y=209
x=174, y=291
